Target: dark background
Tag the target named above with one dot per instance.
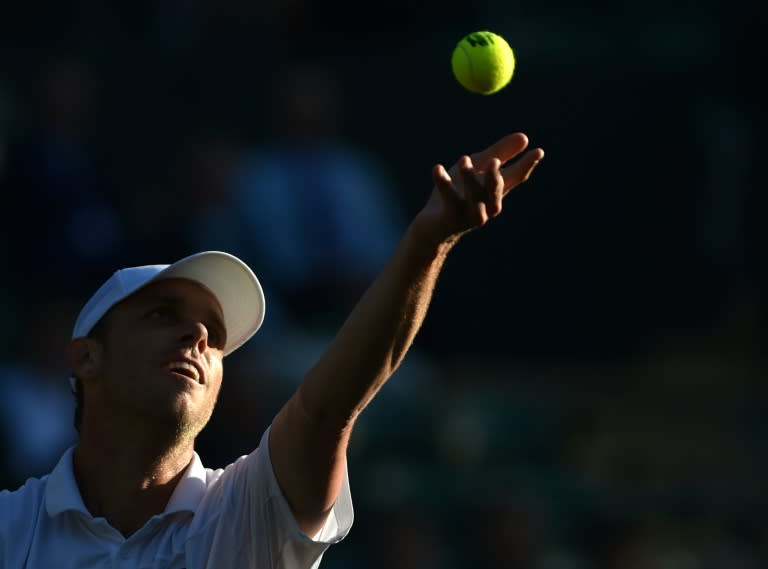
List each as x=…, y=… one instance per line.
x=589, y=387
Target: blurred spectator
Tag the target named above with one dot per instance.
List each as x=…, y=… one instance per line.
x=60, y=217
x=314, y=214
x=36, y=405
x=322, y=215
x=204, y=182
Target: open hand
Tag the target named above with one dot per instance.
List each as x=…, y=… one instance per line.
x=472, y=191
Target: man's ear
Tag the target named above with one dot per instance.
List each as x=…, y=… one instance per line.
x=84, y=357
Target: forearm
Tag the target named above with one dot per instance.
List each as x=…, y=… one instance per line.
x=377, y=334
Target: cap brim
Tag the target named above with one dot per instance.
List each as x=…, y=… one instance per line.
x=233, y=284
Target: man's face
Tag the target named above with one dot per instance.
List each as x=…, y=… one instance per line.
x=161, y=358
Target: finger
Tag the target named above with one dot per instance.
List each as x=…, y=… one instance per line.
x=473, y=189
x=504, y=149
x=521, y=170
x=444, y=184
x=493, y=185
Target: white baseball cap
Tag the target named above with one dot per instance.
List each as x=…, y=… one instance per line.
x=228, y=278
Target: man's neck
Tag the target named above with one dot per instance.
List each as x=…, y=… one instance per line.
x=128, y=482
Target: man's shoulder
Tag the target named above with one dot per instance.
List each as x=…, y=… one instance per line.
x=231, y=472
x=32, y=489
x=22, y=504
x=20, y=512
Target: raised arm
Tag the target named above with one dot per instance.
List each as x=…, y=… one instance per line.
x=309, y=436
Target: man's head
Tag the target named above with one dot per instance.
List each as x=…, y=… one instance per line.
x=148, y=345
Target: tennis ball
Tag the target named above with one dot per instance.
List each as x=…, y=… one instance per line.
x=483, y=62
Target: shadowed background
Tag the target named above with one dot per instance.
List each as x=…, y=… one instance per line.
x=589, y=387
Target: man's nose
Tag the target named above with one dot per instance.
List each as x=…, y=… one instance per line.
x=195, y=335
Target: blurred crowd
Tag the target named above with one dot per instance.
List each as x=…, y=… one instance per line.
x=652, y=459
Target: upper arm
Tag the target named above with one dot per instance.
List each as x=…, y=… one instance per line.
x=309, y=461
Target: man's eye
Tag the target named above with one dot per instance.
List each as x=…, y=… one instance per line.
x=159, y=312
x=215, y=338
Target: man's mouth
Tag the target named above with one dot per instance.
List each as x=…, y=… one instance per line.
x=186, y=369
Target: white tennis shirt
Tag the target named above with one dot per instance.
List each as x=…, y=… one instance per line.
x=233, y=517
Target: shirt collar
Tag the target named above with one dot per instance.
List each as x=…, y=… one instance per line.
x=190, y=489
x=62, y=492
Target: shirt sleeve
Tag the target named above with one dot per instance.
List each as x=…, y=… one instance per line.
x=245, y=521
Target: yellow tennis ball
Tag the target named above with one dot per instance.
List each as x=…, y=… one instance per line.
x=483, y=62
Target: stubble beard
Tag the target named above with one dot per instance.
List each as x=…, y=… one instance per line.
x=189, y=425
